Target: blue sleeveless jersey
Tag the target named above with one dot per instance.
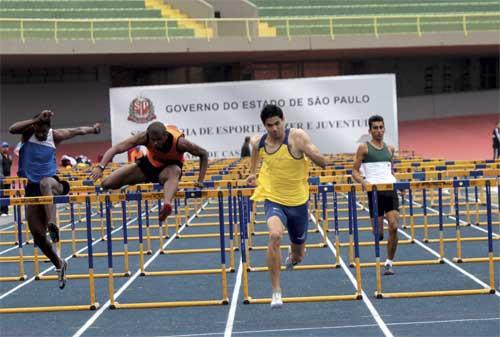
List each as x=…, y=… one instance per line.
x=37, y=159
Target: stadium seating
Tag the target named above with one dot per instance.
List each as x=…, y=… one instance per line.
x=392, y=16
x=91, y=14
x=142, y=19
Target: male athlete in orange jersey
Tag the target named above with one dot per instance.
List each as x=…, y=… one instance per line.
x=163, y=163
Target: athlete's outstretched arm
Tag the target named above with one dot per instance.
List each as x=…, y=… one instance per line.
x=61, y=135
x=303, y=143
x=185, y=145
x=138, y=139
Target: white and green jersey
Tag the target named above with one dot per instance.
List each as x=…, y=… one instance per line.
x=377, y=165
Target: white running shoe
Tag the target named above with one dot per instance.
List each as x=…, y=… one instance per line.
x=388, y=269
x=276, y=301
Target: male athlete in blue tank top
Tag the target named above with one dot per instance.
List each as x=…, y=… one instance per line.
x=37, y=163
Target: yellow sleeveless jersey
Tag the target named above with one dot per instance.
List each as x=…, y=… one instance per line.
x=282, y=178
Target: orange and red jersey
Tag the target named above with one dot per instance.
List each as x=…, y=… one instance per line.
x=160, y=158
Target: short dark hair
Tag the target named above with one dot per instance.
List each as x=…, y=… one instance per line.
x=269, y=111
x=375, y=118
x=156, y=128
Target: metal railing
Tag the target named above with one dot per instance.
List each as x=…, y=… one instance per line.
x=250, y=28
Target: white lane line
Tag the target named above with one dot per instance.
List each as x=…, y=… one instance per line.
x=368, y=303
x=99, y=312
x=341, y=327
x=23, y=244
x=448, y=262
x=28, y=281
x=11, y=249
x=5, y=228
x=234, y=302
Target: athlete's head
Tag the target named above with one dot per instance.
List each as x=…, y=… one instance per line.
x=272, y=117
x=157, y=135
x=377, y=127
x=42, y=126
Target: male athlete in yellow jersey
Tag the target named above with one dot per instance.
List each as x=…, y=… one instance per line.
x=283, y=186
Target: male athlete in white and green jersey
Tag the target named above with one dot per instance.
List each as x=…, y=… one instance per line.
x=376, y=158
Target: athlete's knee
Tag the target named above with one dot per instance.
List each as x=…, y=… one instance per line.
x=39, y=239
x=171, y=172
x=275, y=237
x=393, y=224
x=45, y=186
x=175, y=171
x=107, y=183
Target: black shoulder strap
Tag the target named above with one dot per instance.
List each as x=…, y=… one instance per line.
x=287, y=133
x=262, y=141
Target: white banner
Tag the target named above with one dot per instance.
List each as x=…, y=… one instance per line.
x=218, y=116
